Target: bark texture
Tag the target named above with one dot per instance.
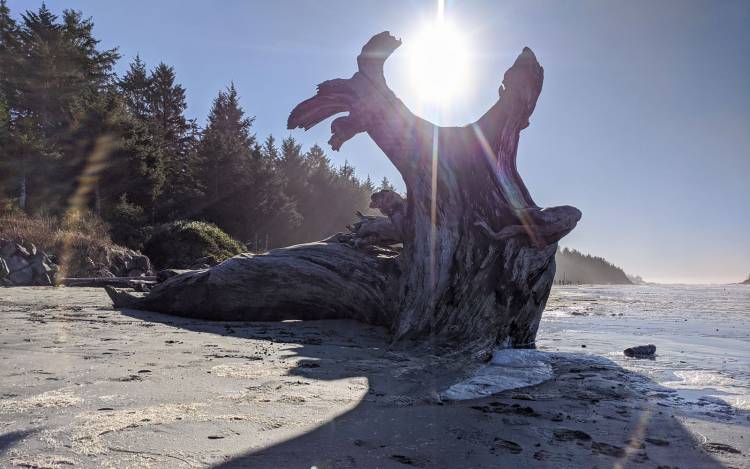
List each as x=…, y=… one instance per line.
x=467, y=260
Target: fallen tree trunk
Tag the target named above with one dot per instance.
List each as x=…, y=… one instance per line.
x=330, y=280
x=101, y=281
x=477, y=261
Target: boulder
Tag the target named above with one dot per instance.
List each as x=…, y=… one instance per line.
x=641, y=351
x=23, y=264
x=7, y=247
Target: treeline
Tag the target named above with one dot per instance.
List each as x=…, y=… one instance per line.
x=75, y=136
x=574, y=267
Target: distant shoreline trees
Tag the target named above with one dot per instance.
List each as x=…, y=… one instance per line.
x=73, y=135
x=574, y=267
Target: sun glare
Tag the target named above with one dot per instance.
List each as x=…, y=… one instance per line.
x=439, y=62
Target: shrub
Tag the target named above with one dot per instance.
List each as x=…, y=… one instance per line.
x=75, y=241
x=9, y=208
x=183, y=244
x=129, y=225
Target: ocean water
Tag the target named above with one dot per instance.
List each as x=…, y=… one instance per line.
x=508, y=369
x=701, y=333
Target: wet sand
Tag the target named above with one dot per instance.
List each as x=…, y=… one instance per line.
x=84, y=385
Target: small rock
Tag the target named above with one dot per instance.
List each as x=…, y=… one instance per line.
x=720, y=448
x=657, y=441
x=507, y=445
x=640, y=351
x=7, y=247
x=564, y=434
x=607, y=449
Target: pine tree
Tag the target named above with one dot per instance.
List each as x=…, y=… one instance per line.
x=368, y=185
x=224, y=152
x=60, y=104
x=385, y=185
x=167, y=106
x=56, y=77
x=294, y=169
x=269, y=150
x=135, y=167
x=9, y=51
x=8, y=80
x=176, y=137
x=244, y=194
x=135, y=88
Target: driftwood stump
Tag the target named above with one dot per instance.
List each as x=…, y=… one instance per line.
x=465, y=262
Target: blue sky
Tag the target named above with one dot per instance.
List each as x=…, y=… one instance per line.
x=643, y=122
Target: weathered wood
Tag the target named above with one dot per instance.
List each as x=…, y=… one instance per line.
x=307, y=281
x=101, y=281
x=477, y=261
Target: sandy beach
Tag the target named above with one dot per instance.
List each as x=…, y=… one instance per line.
x=84, y=385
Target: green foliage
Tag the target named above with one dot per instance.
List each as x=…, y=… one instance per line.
x=327, y=198
x=182, y=244
x=129, y=224
x=75, y=136
x=385, y=185
x=243, y=191
x=52, y=78
x=9, y=207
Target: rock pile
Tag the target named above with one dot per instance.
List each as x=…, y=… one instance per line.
x=116, y=262
x=23, y=264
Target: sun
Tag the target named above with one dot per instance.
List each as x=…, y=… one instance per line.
x=439, y=62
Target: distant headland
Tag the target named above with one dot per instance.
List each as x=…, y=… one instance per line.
x=574, y=267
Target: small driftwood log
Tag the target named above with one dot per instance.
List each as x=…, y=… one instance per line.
x=466, y=261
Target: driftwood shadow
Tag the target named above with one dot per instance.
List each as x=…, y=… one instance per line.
x=593, y=413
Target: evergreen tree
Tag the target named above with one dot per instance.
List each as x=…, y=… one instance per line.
x=8, y=79
x=135, y=88
x=57, y=76
x=167, y=106
x=135, y=167
x=243, y=193
x=385, y=185
x=9, y=51
x=140, y=153
x=368, y=185
x=292, y=164
x=224, y=153
x=176, y=137
x=269, y=150
x=66, y=122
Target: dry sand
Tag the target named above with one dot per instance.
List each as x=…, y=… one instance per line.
x=84, y=385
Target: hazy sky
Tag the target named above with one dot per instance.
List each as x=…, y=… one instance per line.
x=643, y=122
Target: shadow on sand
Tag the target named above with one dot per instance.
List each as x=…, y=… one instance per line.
x=8, y=440
x=593, y=413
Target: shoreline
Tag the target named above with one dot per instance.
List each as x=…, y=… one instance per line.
x=88, y=386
